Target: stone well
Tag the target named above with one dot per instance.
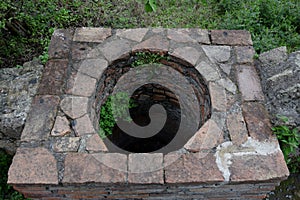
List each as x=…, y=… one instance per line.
x=216, y=144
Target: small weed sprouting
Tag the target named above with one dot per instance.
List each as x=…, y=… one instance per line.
x=116, y=106
x=289, y=140
x=142, y=58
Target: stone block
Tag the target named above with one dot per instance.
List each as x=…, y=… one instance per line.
x=66, y=144
x=156, y=43
x=136, y=35
x=81, y=85
x=237, y=128
x=218, y=97
x=88, y=34
x=192, y=168
x=60, y=44
x=95, y=144
x=145, y=168
x=41, y=118
x=244, y=54
x=33, y=166
x=188, y=54
x=218, y=54
x=116, y=49
x=61, y=127
x=97, y=168
x=208, y=71
x=93, y=67
x=258, y=167
x=74, y=107
x=249, y=83
x=54, y=76
x=83, y=126
x=231, y=37
x=180, y=35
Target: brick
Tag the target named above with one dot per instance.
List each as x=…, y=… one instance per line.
x=74, y=107
x=180, y=35
x=88, y=34
x=81, y=85
x=53, y=78
x=206, y=138
x=258, y=167
x=231, y=37
x=237, y=128
x=95, y=144
x=33, y=166
x=145, y=168
x=217, y=53
x=156, y=43
x=61, y=127
x=83, y=126
x=244, y=55
x=188, y=54
x=257, y=120
x=97, y=168
x=132, y=34
x=41, y=118
x=192, y=168
x=249, y=83
x=66, y=144
x=60, y=44
x=93, y=67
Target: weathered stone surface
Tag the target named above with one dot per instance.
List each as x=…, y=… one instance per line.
x=132, y=34
x=41, y=118
x=33, y=166
x=231, y=37
x=88, y=34
x=61, y=127
x=116, y=49
x=226, y=68
x=237, y=128
x=244, y=55
x=274, y=56
x=66, y=144
x=74, y=107
x=208, y=71
x=145, y=168
x=81, y=51
x=60, y=44
x=249, y=83
x=257, y=120
x=202, y=36
x=54, y=76
x=228, y=85
x=83, y=126
x=188, y=54
x=155, y=43
x=93, y=67
x=180, y=35
x=207, y=137
x=81, y=85
x=17, y=88
x=217, y=53
x=95, y=144
x=192, y=168
x=258, y=167
x=85, y=168
x=218, y=97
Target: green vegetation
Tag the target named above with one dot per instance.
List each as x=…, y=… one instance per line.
x=142, y=58
x=6, y=191
x=289, y=140
x=26, y=26
x=116, y=106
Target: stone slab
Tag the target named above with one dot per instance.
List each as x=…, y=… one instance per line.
x=244, y=54
x=54, y=76
x=192, y=168
x=189, y=54
x=116, y=49
x=180, y=35
x=81, y=85
x=61, y=127
x=60, y=44
x=95, y=144
x=218, y=54
x=41, y=118
x=88, y=168
x=145, y=168
x=66, y=144
x=155, y=43
x=88, y=34
x=208, y=71
x=231, y=37
x=33, y=166
x=74, y=107
x=249, y=83
x=132, y=34
x=83, y=126
x=218, y=97
x=237, y=128
x=93, y=67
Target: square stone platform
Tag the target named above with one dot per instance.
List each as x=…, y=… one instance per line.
x=234, y=155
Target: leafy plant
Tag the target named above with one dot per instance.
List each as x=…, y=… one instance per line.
x=115, y=108
x=150, y=6
x=142, y=58
x=289, y=140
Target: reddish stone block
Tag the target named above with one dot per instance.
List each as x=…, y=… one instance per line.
x=41, y=118
x=145, y=168
x=249, y=83
x=155, y=43
x=244, y=55
x=258, y=167
x=54, y=77
x=192, y=168
x=231, y=37
x=257, y=120
x=95, y=144
x=33, y=166
x=60, y=44
x=237, y=128
x=97, y=168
